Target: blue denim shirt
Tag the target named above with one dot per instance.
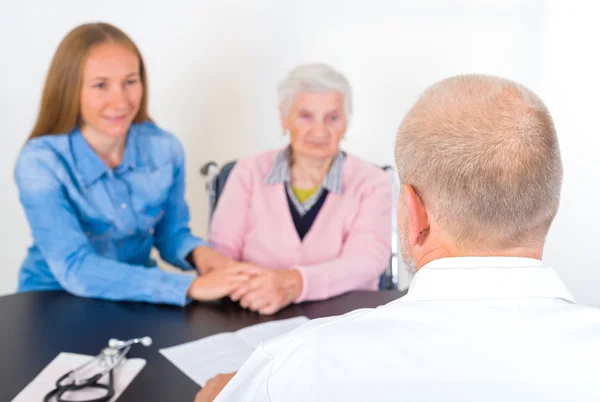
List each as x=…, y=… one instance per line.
x=94, y=227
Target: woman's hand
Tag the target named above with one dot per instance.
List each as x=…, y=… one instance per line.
x=207, y=260
x=268, y=291
x=218, y=283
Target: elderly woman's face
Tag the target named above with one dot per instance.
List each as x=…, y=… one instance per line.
x=317, y=123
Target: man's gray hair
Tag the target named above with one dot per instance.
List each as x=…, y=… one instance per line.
x=313, y=78
x=483, y=155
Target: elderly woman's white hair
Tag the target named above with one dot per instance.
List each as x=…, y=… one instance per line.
x=313, y=78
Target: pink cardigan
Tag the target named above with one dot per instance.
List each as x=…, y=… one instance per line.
x=347, y=247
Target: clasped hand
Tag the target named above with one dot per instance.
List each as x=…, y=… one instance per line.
x=268, y=290
x=263, y=290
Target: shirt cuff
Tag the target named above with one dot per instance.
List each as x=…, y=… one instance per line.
x=313, y=284
x=187, y=245
x=173, y=288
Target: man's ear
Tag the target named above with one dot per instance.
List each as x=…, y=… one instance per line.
x=418, y=220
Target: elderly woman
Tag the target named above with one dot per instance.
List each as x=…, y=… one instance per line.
x=315, y=219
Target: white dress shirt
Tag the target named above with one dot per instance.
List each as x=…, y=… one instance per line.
x=475, y=329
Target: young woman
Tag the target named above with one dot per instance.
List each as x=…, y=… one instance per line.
x=102, y=185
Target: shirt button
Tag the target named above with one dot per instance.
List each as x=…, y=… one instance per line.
x=123, y=206
x=88, y=234
x=151, y=231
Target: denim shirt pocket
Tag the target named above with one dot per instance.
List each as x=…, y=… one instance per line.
x=152, y=188
x=99, y=234
x=151, y=215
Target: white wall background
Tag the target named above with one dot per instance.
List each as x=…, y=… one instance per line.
x=214, y=65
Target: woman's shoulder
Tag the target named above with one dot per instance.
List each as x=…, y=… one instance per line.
x=149, y=133
x=361, y=172
x=45, y=159
x=253, y=169
x=46, y=150
x=50, y=142
x=261, y=162
x=157, y=144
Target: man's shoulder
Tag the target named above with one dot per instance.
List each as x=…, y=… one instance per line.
x=404, y=319
x=578, y=313
x=322, y=328
x=408, y=344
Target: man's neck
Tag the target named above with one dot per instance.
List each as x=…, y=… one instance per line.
x=448, y=252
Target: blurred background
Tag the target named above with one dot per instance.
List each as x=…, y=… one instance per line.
x=214, y=65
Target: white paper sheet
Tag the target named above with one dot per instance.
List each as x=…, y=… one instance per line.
x=65, y=362
x=225, y=353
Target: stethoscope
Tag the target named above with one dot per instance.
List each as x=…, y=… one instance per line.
x=104, y=363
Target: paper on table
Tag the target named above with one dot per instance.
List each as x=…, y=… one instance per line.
x=65, y=362
x=225, y=353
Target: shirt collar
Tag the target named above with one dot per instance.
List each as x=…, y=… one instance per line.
x=280, y=171
x=130, y=157
x=478, y=278
x=89, y=164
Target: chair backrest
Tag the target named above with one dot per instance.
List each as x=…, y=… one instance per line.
x=221, y=179
x=386, y=281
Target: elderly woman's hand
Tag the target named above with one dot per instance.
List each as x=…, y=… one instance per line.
x=269, y=291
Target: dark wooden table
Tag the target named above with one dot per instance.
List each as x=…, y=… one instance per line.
x=35, y=327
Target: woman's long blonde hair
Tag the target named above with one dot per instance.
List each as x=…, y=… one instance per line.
x=59, y=108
